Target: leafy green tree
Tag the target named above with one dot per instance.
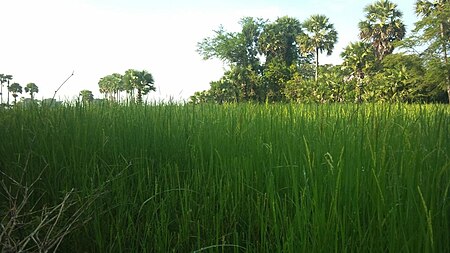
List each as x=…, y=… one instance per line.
x=390, y=85
x=201, y=97
x=433, y=32
x=275, y=77
x=241, y=52
x=31, y=88
x=246, y=81
x=300, y=89
x=329, y=88
x=86, y=96
x=383, y=27
x=358, y=59
x=319, y=36
x=142, y=81
x=404, y=78
x=224, y=91
x=262, y=57
x=15, y=88
x=234, y=48
x=435, y=80
x=278, y=41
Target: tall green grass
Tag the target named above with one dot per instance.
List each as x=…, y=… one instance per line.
x=242, y=177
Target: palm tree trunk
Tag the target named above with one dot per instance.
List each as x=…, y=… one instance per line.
x=139, y=96
x=8, y=94
x=360, y=86
x=317, y=63
x=444, y=47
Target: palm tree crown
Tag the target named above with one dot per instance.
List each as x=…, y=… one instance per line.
x=14, y=89
x=142, y=81
x=319, y=36
x=86, y=96
x=383, y=26
x=357, y=58
x=31, y=88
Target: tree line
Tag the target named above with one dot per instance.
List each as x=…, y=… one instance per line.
x=279, y=60
x=14, y=89
x=134, y=83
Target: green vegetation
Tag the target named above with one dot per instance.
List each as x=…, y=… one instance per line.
x=253, y=174
x=31, y=88
x=320, y=36
x=275, y=61
x=15, y=89
x=235, y=177
x=86, y=96
x=4, y=78
x=278, y=61
x=136, y=83
x=133, y=80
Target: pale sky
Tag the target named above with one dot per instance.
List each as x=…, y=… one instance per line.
x=43, y=41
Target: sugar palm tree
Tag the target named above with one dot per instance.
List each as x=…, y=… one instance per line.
x=31, y=88
x=86, y=96
x=103, y=86
x=129, y=80
x=357, y=59
x=142, y=81
x=319, y=36
x=145, y=84
x=15, y=88
x=383, y=26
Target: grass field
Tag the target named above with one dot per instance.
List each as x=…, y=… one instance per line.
x=236, y=178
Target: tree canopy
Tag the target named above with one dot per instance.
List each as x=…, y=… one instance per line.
x=15, y=89
x=278, y=60
x=382, y=27
x=433, y=32
x=135, y=83
x=86, y=96
x=319, y=36
x=31, y=88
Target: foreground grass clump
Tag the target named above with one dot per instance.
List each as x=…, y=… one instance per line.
x=241, y=178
